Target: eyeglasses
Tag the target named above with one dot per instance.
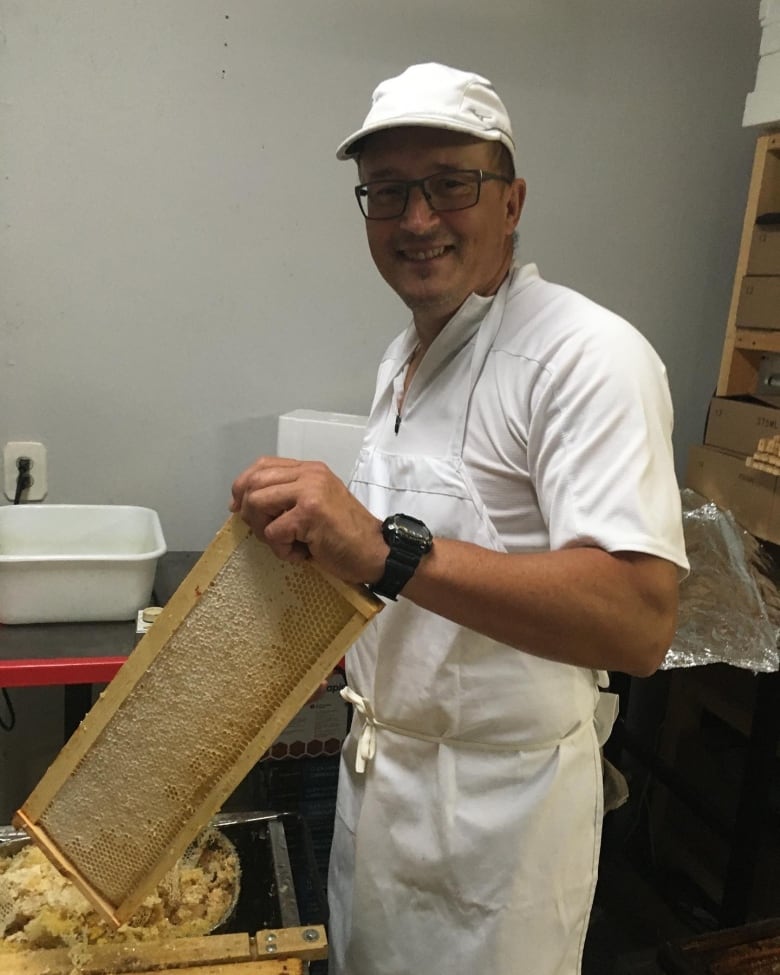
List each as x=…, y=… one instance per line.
x=459, y=189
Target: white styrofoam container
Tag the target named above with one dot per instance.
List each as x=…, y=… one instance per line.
x=67, y=563
x=334, y=438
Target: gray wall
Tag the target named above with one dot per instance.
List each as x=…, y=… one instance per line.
x=182, y=258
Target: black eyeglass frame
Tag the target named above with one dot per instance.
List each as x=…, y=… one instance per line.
x=361, y=190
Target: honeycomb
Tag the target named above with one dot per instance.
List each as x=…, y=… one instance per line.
x=212, y=696
x=7, y=909
x=44, y=909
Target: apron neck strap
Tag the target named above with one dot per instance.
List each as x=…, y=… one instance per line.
x=486, y=336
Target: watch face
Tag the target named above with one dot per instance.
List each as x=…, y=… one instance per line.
x=409, y=531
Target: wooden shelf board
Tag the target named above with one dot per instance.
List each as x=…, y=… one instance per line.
x=757, y=340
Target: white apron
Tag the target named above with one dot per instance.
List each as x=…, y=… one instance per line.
x=468, y=840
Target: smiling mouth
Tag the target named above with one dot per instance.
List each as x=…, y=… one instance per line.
x=429, y=254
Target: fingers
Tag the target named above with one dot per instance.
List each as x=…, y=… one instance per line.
x=302, y=510
x=264, y=472
x=279, y=498
x=284, y=535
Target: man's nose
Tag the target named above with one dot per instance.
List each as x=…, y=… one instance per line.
x=418, y=213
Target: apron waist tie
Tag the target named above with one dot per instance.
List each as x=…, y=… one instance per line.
x=366, y=746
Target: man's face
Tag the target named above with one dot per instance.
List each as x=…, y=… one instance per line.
x=435, y=259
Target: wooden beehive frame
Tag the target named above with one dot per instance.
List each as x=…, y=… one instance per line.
x=272, y=952
x=65, y=770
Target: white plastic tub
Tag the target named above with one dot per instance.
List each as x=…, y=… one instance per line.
x=67, y=563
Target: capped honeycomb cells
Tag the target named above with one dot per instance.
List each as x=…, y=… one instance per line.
x=211, y=694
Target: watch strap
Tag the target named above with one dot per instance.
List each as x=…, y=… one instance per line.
x=399, y=569
x=408, y=539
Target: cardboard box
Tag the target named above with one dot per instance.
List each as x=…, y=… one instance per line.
x=736, y=424
x=759, y=302
x=750, y=495
x=764, y=256
x=318, y=729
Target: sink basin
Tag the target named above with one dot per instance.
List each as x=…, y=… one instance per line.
x=64, y=563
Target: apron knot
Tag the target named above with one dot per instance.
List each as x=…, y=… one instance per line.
x=366, y=747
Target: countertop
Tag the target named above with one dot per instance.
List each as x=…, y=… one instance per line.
x=76, y=653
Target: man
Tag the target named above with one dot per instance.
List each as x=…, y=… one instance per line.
x=515, y=501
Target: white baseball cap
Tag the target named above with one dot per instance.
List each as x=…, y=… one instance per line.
x=435, y=96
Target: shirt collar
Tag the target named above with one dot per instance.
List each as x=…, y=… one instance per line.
x=465, y=322
x=456, y=332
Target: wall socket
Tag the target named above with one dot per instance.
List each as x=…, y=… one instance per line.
x=37, y=454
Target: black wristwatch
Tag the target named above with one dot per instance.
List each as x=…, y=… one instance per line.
x=409, y=539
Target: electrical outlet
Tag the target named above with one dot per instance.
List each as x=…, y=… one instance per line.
x=39, y=484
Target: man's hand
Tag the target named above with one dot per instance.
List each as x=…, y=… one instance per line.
x=302, y=510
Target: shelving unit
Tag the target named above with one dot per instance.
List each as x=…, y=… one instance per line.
x=745, y=347
x=709, y=736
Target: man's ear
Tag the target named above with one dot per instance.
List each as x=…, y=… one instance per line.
x=514, y=203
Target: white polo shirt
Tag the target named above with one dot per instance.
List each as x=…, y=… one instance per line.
x=568, y=441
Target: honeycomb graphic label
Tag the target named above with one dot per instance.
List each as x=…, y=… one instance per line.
x=318, y=729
